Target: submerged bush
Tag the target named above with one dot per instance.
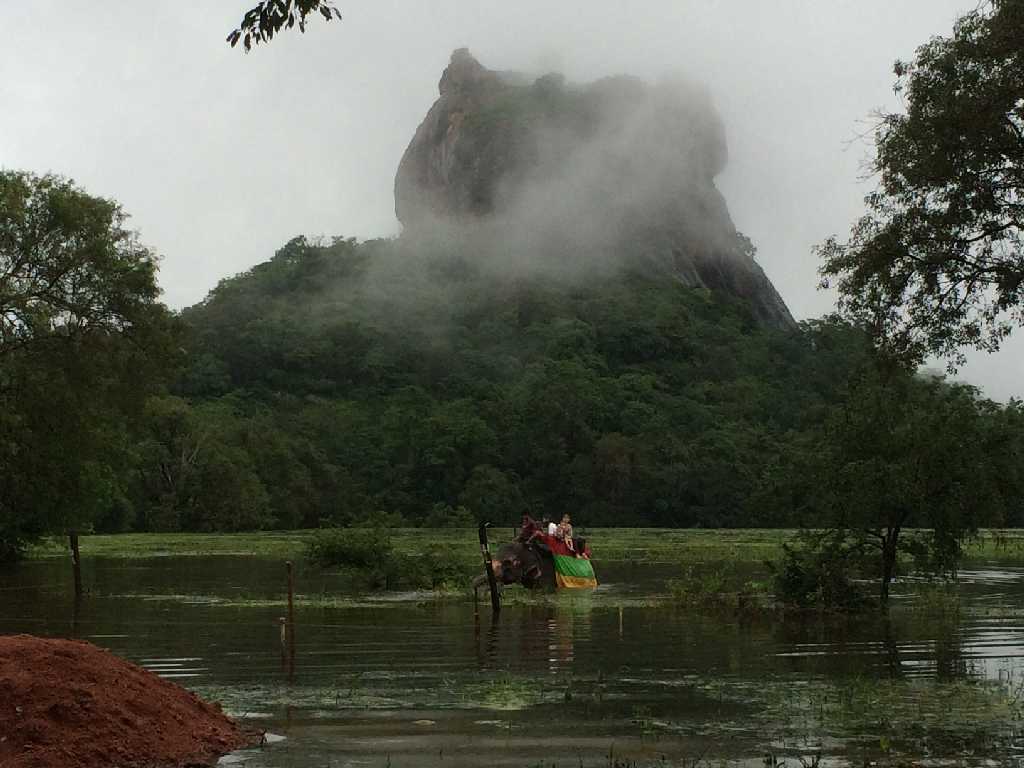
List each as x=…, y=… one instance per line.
x=360, y=548
x=819, y=572
x=937, y=600
x=370, y=557
x=716, y=588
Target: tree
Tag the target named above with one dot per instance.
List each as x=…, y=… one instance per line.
x=937, y=263
x=902, y=453
x=82, y=343
x=68, y=266
x=261, y=23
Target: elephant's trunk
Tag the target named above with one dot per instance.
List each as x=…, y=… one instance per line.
x=479, y=581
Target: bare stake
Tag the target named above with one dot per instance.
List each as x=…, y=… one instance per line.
x=76, y=564
x=291, y=621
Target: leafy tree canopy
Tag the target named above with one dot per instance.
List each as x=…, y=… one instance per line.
x=937, y=263
x=905, y=465
x=83, y=342
x=68, y=265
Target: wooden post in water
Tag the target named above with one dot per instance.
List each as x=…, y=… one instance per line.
x=283, y=624
x=76, y=563
x=476, y=611
x=291, y=620
x=489, y=569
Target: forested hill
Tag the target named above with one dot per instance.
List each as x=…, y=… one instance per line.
x=338, y=381
x=569, y=323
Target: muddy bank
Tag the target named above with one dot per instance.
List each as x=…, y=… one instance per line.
x=69, y=704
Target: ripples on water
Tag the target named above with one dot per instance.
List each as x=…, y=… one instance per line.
x=419, y=682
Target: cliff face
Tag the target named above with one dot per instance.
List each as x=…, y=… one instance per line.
x=616, y=171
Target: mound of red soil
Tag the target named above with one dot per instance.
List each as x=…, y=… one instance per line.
x=69, y=704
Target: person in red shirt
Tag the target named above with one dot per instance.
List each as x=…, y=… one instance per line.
x=528, y=529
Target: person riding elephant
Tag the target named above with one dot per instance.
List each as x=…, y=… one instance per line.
x=528, y=529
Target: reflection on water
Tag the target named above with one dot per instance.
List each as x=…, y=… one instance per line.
x=415, y=681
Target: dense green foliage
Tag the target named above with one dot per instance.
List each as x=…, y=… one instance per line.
x=339, y=381
x=937, y=263
x=901, y=452
x=343, y=381
x=83, y=343
x=68, y=266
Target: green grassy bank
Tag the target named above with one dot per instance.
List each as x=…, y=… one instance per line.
x=641, y=545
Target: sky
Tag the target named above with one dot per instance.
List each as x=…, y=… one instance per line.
x=221, y=157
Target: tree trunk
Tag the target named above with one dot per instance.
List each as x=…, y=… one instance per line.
x=888, y=561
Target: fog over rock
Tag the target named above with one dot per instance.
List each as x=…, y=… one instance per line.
x=580, y=178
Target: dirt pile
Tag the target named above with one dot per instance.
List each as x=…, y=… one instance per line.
x=69, y=704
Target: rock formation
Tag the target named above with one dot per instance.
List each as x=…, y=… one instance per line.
x=616, y=171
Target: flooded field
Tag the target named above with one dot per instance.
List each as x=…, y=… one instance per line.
x=613, y=678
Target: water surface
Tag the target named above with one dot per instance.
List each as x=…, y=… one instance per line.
x=593, y=678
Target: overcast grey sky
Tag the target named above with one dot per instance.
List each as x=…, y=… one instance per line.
x=221, y=157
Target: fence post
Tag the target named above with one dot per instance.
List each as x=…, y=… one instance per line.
x=489, y=569
x=76, y=563
x=291, y=620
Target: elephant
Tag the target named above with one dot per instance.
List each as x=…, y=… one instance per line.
x=520, y=563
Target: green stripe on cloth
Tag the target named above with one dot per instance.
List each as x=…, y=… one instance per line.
x=576, y=567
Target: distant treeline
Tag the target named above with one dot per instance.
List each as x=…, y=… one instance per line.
x=338, y=382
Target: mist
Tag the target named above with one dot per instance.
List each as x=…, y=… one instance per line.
x=222, y=157
x=568, y=179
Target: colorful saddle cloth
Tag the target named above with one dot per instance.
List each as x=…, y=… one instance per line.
x=571, y=572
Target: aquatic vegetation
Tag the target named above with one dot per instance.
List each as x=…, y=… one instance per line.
x=904, y=716
x=936, y=599
x=719, y=589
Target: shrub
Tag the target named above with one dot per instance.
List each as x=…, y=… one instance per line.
x=371, y=557
x=712, y=588
x=360, y=548
x=819, y=572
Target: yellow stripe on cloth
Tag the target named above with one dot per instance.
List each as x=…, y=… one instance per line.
x=574, y=582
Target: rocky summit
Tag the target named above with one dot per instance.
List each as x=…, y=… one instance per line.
x=612, y=172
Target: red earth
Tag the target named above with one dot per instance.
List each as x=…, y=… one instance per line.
x=69, y=704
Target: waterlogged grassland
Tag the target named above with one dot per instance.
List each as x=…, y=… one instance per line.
x=284, y=544
x=639, y=545
x=705, y=552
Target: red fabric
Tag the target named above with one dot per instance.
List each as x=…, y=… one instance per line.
x=559, y=547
